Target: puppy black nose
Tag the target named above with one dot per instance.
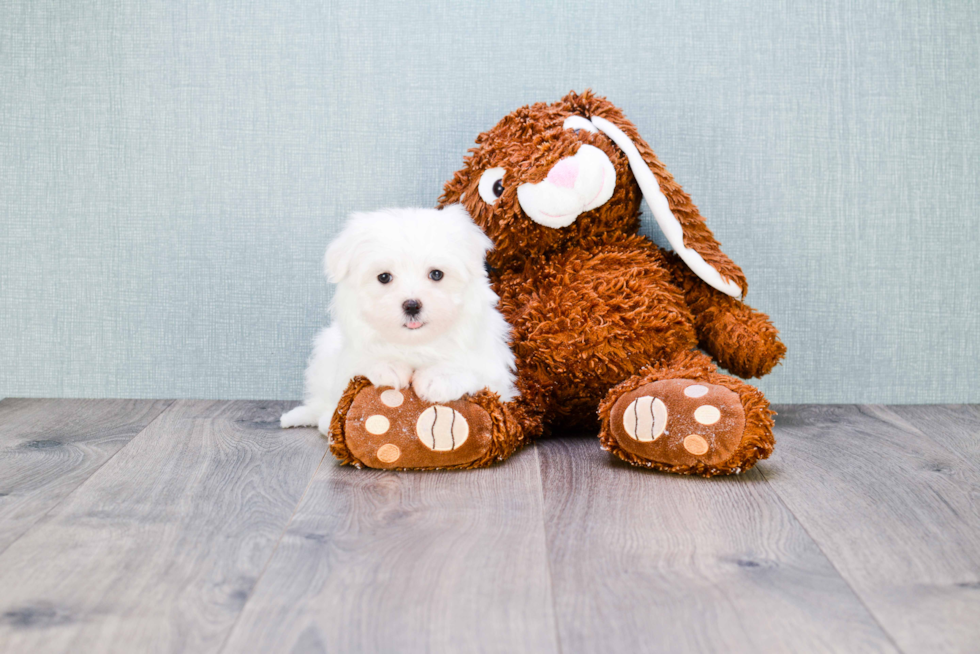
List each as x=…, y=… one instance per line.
x=412, y=307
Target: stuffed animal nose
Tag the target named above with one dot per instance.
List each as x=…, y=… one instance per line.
x=564, y=173
x=412, y=307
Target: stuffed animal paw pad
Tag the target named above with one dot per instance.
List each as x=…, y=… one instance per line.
x=388, y=428
x=679, y=422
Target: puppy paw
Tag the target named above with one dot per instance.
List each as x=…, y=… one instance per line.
x=395, y=375
x=301, y=416
x=441, y=385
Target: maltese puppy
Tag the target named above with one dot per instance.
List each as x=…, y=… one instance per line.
x=413, y=305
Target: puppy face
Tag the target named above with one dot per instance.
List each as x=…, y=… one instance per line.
x=409, y=296
x=407, y=274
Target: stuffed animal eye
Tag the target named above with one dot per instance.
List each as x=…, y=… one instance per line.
x=436, y=275
x=578, y=122
x=492, y=185
x=384, y=278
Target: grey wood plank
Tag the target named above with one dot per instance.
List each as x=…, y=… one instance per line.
x=49, y=447
x=379, y=561
x=898, y=514
x=159, y=549
x=650, y=562
x=957, y=426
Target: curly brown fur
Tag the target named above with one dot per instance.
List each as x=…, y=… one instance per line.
x=507, y=435
x=595, y=305
x=528, y=142
x=589, y=318
x=743, y=340
x=757, y=439
x=338, y=438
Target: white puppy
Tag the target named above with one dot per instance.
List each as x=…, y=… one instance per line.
x=413, y=304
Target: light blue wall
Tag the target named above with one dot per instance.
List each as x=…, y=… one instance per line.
x=171, y=172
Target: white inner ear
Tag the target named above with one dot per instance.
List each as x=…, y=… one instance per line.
x=660, y=207
x=579, y=122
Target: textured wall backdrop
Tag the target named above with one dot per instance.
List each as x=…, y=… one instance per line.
x=171, y=172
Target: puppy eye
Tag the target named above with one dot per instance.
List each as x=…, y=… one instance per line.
x=578, y=123
x=492, y=185
x=384, y=278
x=436, y=275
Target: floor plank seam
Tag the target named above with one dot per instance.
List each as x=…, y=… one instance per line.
x=816, y=543
x=272, y=554
x=81, y=483
x=178, y=528
x=916, y=431
x=547, y=549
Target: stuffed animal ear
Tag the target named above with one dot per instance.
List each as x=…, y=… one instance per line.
x=673, y=209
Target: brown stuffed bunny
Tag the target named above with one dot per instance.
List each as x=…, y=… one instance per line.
x=605, y=322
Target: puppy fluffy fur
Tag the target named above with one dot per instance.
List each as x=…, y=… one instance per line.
x=457, y=343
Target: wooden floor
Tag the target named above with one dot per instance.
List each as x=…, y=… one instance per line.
x=198, y=526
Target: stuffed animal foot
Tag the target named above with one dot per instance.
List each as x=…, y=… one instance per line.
x=689, y=426
x=394, y=429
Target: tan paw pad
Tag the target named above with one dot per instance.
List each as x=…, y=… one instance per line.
x=441, y=428
x=388, y=453
x=392, y=398
x=695, y=444
x=377, y=424
x=707, y=414
x=645, y=419
x=696, y=390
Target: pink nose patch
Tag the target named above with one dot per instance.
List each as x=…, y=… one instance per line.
x=564, y=173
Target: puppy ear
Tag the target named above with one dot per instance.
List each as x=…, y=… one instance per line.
x=473, y=241
x=672, y=208
x=341, y=252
